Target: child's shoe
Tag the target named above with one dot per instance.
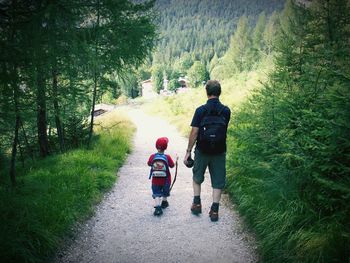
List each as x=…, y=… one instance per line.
x=164, y=204
x=158, y=211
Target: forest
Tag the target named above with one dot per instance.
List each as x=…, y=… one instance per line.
x=57, y=59
x=202, y=28
x=284, y=68
x=194, y=33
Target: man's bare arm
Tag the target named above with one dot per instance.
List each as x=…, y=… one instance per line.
x=191, y=141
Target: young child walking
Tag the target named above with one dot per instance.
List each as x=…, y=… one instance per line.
x=160, y=174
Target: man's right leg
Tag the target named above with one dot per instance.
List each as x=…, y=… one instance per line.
x=196, y=207
x=200, y=165
x=196, y=189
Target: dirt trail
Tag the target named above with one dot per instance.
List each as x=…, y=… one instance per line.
x=125, y=230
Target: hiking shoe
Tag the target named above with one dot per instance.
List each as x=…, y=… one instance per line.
x=196, y=209
x=158, y=211
x=164, y=204
x=214, y=216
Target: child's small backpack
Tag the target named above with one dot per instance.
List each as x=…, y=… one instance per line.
x=159, y=166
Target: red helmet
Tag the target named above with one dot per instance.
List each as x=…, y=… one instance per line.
x=162, y=143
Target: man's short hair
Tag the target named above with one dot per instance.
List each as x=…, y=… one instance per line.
x=213, y=88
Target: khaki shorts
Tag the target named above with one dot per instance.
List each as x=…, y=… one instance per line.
x=217, y=168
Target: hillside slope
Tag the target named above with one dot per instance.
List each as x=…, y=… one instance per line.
x=203, y=27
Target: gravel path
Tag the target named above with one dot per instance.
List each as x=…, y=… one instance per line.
x=125, y=230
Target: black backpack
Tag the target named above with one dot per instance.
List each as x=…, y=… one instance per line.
x=212, y=130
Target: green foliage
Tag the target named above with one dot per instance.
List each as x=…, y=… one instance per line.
x=144, y=72
x=197, y=74
x=183, y=64
x=173, y=84
x=239, y=56
x=213, y=62
x=200, y=30
x=257, y=38
x=130, y=84
x=157, y=78
x=177, y=109
x=269, y=34
x=57, y=192
x=291, y=146
x=203, y=27
x=58, y=58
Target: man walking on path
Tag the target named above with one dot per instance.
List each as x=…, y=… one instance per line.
x=209, y=128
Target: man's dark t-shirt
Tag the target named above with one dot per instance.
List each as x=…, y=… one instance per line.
x=199, y=113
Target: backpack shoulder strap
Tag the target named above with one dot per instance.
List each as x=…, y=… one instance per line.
x=222, y=107
x=161, y=157
x=217, y=110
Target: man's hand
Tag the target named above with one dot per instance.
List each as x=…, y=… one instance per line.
x=191, y=141
x=186, y=157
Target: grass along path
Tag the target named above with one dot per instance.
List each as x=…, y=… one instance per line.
x=125, y=230
x=55, y=193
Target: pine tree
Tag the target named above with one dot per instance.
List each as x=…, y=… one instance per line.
x=157, y=78
x=197, y=74
x=239, y=55
x=213, y=62
x=269, y=34
x=257, y=39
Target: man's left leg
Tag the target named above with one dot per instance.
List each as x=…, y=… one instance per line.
x=214, y=209
x=200, y=165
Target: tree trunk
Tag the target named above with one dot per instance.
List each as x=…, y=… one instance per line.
x=17, y=125
x=54, y=73
x=14, y=84
x=57, y=110
x=20, y=151
x=93, y=108
x=41, y=114
x=96, y=74
x=14, y=153
x=29, y=148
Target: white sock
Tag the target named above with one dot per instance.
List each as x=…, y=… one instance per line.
x=157, y=201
